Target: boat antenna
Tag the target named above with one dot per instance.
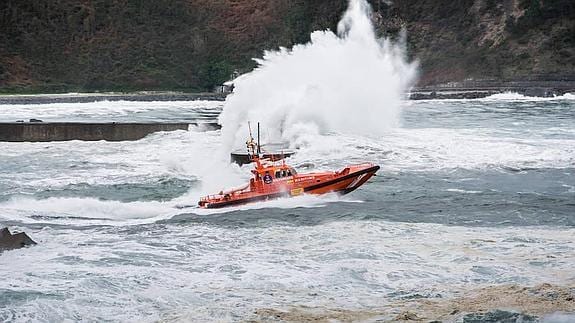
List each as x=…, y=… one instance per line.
x=250, y=143
x=259, y=150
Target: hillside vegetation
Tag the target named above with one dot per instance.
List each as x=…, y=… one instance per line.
x=502, y=40
x=193, y=45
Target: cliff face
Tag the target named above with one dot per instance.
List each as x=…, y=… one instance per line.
x=507, y=39
x=63, y=45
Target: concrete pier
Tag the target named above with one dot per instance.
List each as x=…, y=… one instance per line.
x=62, y=131
x=475, y=89
x=96, y=97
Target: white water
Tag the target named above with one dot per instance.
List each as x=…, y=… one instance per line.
x=190, y=271
x=198, y=155
x=511, y=96
x=148, y=260
x=207, y=273
x=351, y=82
x=195, y=155
x=104, y=110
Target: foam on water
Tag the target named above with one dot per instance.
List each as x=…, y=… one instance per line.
x=433, y=149
x=205, y=272
x=106, y=110
x=198, y=156
x=512, y=96
x=191, y=155
x=187, y=155
x=509, y=97
x=558, y=317
x=351, y=82
x=101, y=260
x=84, y=211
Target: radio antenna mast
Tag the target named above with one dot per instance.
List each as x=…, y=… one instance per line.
x=259, y=150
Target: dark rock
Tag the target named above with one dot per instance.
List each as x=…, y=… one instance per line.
x=407, y=316
x=9, y=241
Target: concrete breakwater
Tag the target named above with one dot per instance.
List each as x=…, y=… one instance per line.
x=96, y=97
x=62, y=131
x=475, y=89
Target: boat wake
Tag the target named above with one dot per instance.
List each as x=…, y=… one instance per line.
x=84, y=211
x=303, y=201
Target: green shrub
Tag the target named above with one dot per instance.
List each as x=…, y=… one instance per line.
x=214, y=73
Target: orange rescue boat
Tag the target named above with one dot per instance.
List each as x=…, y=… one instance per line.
x=272, y=180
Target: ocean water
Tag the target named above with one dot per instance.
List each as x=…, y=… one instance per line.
x=471, y=193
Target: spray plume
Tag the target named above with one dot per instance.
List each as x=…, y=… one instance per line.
x=351, y=82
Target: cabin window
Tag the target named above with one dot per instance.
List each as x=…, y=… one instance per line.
x=284, y=173
x=278, y=174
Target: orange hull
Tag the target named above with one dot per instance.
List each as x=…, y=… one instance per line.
x=261, y=188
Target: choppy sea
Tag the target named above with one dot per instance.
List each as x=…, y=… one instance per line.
x=471, y=193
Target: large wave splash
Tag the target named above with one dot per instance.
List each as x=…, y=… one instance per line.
x=351, y=82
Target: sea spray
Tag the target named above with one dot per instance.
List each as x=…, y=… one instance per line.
x=351, y=82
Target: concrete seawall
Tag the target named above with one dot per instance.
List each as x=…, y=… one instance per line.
x=62, y=131
x=475, y=89
x=96, y=97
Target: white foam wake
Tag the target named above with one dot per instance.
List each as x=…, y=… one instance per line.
x=84, y=211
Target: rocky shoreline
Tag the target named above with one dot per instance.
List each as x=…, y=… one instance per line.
x=470, y=89
x=476, y=89
x=504, y=303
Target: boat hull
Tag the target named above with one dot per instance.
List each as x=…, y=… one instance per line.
x=343, y=182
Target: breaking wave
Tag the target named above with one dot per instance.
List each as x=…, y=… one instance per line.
x=513, y=96
x=349, y=82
